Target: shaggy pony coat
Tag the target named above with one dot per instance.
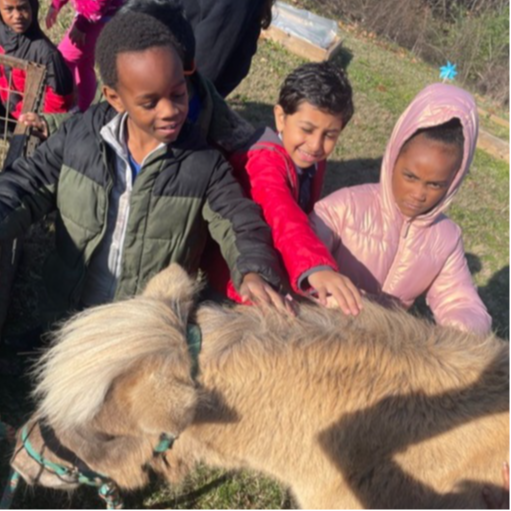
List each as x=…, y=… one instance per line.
x=378, y=411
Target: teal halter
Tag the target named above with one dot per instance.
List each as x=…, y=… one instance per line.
x=166, y=442
x=86, y=476
x=9, y=490
x=107, y=489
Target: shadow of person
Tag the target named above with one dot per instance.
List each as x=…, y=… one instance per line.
x=370, y=446
x=342, y=173
x=341, y=56
x=474, y=263
x=495, y=296
x=255, y=112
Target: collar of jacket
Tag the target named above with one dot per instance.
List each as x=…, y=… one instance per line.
x=189, y=139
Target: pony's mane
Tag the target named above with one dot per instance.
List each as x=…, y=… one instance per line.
x=95, y=347
x=392, y=340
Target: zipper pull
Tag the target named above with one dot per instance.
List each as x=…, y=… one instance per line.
x=407, y=228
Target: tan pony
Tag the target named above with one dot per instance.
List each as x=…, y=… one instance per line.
x=379, y=411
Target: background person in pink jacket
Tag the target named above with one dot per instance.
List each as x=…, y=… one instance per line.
x=392, y=239
x=77, y=46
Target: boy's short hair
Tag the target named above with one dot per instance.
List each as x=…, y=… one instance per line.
x=170, y=13
x=129, y=32
x=323, y=85
x=450, y=132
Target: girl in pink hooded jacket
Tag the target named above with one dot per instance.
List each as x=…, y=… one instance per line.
x=392, y=239
x=77, y=46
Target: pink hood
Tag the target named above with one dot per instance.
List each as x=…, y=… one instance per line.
x=434, y=105
x=387, y=254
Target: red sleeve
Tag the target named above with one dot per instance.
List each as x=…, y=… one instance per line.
x=56, y=103
x=269, y=173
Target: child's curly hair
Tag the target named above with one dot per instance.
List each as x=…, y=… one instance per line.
x=170, y=13
x=130, y=32
x=323, y=85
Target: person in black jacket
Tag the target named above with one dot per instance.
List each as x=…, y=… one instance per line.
x=226, y=33
x=135, y=186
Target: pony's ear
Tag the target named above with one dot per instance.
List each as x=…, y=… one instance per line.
x=174, y=286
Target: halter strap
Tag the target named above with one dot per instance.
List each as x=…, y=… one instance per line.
x=10, y=488
x=83, y=476
x=194, y=341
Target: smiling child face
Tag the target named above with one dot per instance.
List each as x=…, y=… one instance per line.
x=309, y=135
x=152, y=89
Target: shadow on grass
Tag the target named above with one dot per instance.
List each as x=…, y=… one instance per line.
x=495, y=296
x=342, y=173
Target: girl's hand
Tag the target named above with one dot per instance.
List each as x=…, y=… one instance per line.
x=77, y=37
x=37, y=123
x=502, y=501
x=51, y=17
x=329, y=282
x=255, y=289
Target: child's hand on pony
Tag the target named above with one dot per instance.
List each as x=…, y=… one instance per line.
x=345, y=293
x=254, y=289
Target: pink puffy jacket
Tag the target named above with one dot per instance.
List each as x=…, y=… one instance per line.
x=386, y=253
x=90, y=11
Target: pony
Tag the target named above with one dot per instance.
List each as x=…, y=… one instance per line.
x=382, y=410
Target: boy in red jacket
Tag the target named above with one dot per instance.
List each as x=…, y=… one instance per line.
x=284, y=174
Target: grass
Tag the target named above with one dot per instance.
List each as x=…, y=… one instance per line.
x=385, y=78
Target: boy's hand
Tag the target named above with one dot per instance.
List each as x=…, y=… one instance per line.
x=255, y=289
x=37, y=123
x=346, y=294
x=51, y=17
x=503, y=503
x=77, y=37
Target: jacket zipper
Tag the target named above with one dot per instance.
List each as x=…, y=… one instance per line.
x=405, y=228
